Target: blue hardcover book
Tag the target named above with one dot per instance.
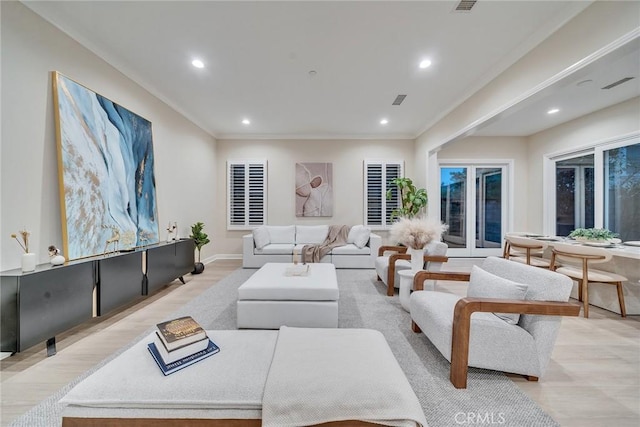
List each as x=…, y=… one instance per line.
x=172, y=367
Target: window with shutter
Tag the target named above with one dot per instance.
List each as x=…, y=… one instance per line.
x=247, y=194
x=378, y=176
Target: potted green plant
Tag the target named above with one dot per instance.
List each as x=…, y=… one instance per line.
x=413, y=199
x=593, y=234
x=200, y=238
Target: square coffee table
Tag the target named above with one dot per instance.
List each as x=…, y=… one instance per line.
x=270, y=298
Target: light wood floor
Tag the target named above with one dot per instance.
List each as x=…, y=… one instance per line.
x=593, y=378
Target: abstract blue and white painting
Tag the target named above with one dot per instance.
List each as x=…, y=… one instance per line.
x=107, y=183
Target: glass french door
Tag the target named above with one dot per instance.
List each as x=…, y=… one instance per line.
x=473, y=203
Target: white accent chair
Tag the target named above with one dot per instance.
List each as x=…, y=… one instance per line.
x=392, y=259
x=522, y=346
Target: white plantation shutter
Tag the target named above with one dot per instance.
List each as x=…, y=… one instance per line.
x=247, y=194
x=378, y=175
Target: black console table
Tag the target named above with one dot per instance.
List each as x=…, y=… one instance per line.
x=38, y=305
x=168, y=262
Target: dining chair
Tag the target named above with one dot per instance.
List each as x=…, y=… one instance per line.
x=506, y=248
x=526, y=250
x=576, y=263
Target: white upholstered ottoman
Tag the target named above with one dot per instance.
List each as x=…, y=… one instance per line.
x=270, y=299
x=249, y=383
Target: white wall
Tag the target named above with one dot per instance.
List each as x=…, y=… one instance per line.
x=31, y=48
x=597, y=26
x=282, y=155
x=584, y=132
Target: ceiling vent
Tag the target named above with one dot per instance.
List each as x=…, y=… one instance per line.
x=465, y=5
x=619, y=82
x=399, y=99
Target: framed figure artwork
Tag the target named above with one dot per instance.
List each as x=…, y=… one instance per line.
x=314, y=189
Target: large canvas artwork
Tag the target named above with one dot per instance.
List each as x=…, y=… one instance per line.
x=314, y=189
x=105, y=166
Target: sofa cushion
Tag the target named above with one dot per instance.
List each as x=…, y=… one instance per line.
x=261, y=237
x=311, y=234
x=282, y=233
x=276, y=249
x=351, y=249
x=359, y=235
x=483, y=284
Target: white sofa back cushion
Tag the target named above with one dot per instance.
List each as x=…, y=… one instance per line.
x=261, y=237
x=311, y=234
x=359, y=235
x=282, y=233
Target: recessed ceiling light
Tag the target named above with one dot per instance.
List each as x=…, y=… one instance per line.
x=384, y=121
x=197, y=63
x=425, y=63
x=246, y=121
x=553, y=111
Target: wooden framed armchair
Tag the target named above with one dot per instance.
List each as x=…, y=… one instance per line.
x=509, y=334
x=392, y=259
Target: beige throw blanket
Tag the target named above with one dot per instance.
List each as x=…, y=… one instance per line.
x=321, y=375
x=337, y=237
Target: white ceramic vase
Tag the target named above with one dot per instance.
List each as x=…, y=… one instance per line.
x=417, y=259
x=57, y=260
x=28, y=261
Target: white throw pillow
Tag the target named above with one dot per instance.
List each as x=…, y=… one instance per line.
x=359, y=235
x=311, y=234
x=261, y=237
x=282, y=233
x=483, y=284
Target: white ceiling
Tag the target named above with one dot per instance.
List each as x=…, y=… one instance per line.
x=575, y=95
x=258, y=56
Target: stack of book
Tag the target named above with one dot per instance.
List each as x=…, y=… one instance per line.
x=179, y=343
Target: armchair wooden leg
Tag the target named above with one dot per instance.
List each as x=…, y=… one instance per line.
x=530, y=378
x=414, y=327
x=460, y=350
x=391, y=275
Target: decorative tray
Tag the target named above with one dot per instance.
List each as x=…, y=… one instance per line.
x=632, y=243
x=599, y=244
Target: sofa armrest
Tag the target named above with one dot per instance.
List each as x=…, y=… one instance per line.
x=375, y=242
x=465, y=307
x=247, y=250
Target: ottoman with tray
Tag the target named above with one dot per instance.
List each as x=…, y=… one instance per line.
x=276, y=296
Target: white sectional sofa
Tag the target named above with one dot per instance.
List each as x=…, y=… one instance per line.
x=276, y=243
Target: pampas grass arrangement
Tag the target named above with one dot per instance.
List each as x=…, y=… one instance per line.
x=25, y=239
x=417, y=232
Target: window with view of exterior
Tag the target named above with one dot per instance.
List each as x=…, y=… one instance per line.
x=246, y=194
x=574, y=194
x=579, y=197
x=622, y=191
x=377, y=179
